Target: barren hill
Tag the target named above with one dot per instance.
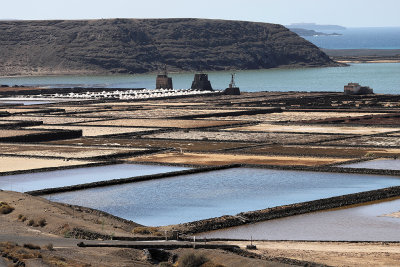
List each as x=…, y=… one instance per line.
x=143, y=45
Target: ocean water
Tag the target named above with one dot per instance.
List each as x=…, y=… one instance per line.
x=382, y=77
x=205, y=195
x=359, y=38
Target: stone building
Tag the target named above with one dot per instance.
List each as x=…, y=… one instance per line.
x=357, y=89
x=201, y=82
x=163, y=81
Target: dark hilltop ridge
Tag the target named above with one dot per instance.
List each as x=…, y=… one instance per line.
x=144, y=45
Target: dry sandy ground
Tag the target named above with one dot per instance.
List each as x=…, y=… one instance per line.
x=293, y=116
x=75, y=108
x=21, y=110
x=50, y=119
x=264, y=127
x=163, y=123
x=94, y=131
x=61, y=151
x=153, y=143
x=332, y=253
x=378, y=141
x=8, y=163
x=10, y=133
x=59, y=218
x=222, y=159
x=267, y=138
x=152, y=103
x=153, y=113
x=322, y=151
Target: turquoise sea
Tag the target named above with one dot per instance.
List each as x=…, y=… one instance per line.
x=359, y=38
x=382, y=77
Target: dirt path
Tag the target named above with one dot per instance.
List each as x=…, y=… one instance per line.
x=331, y=253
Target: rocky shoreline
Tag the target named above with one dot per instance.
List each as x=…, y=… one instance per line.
x=364, y=55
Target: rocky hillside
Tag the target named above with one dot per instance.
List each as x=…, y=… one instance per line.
x=144, y=45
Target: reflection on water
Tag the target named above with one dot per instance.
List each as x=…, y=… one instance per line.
x=385, y=164
x=204, y=195
x=41, y=180
x=362, y=223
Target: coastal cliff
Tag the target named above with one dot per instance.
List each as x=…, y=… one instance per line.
x=144, y=45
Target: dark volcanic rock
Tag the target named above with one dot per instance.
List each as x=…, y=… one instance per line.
x=143, y=45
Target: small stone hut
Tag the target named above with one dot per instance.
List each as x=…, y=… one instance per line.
x=357, y=89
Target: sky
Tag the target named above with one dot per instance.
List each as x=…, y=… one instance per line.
x=348, y=13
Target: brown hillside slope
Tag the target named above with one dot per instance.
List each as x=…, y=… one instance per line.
x=143, y=45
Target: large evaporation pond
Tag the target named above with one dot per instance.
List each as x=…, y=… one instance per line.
x=362, y=223
x=385, y=164
x=211, y=194
x=41, y=180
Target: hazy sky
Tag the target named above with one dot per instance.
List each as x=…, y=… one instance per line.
x=350, y=13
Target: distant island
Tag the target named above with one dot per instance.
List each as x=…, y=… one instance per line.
x=131, y=46
x=313, y=29
x=305, y=32
x=316, y=27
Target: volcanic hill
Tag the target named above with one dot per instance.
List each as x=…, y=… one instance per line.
x=144, y=45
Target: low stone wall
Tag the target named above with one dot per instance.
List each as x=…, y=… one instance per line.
x=15, y=124
x=45, y=136
x=287, y=210
x=161, y=245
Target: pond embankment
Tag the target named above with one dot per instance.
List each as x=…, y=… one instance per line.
x=287, y=210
